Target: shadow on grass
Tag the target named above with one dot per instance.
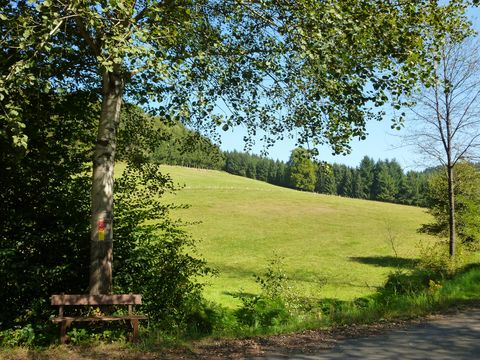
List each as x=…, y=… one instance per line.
x=234, y=271
x=386, y=261
x=469, y=267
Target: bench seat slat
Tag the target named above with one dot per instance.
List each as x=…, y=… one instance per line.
x=74, y=300
x=98, y=318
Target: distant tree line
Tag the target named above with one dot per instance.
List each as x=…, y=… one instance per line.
x=256, y=167
x=382, y=180
x=185, y=147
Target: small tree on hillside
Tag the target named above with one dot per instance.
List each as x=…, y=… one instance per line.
x=467, y=203
x=448, y=115
x=301, y=170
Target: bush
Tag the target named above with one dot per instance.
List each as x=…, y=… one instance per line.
x=436, y=261
x=259, y=312
x=402, y=283
x=467, y=199
x=154, y=256
x=27, y=335
x=44, y=211
x=274, y=305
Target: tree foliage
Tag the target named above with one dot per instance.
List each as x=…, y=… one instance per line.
x=301, y=170
x=467, y=204
x=366, y=173
x=44, y=207
x=255, y=167
x=320, y=62
x=188, y=148
x=326, y=183
x=383, y=187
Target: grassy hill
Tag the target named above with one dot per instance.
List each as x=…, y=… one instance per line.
x=333, y=247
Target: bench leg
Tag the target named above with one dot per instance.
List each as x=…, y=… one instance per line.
x=64, y=325
x=134, y=323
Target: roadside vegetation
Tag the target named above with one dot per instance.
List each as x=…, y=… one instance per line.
x=274, y=310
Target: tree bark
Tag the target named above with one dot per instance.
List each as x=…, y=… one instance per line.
x=101, y=249
x=450, y=164
x=451, y=212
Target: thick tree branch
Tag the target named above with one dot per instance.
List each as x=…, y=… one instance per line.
x=94, y=46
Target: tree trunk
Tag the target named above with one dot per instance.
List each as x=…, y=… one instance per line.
x=450, y=164
x=451, y=211
x=101, y=249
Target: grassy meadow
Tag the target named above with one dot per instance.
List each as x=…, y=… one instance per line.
x=332, y=247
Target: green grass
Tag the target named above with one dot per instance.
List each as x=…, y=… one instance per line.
x=333, y=247
x=462, y=290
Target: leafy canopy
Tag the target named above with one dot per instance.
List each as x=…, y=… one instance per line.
x=467, y=200
x=301, y=170
x=312, y=68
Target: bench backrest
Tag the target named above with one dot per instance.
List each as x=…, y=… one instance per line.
x=75, y=300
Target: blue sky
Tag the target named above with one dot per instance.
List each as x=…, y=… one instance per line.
x=381, y=143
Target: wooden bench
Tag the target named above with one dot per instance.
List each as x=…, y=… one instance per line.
x=95, y=300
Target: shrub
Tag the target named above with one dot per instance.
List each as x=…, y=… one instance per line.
x=275, y=303
x=44, y=211
x=154, y=255
x=401, y=283
x=467, y=200
x=259, y=312
x=436, y=261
